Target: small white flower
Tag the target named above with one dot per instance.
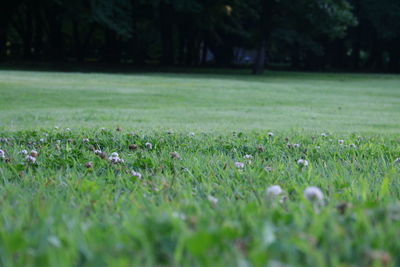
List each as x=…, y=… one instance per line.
x=114, y=155
x=353, y=146
x=317, y=147
x=23, y=152
x=302, y=163
x=2, y=154
x=296, y=145
x=149, y=145
x=85, y=140
x=324, y=135
x=396, y=160
x=273, y=191
x=341, y=142
x=313, y=194
x=239, y=165
x=115, y=159
x=247, y=156
x=212, y=199
x=41, y=140
x=270, y=134
x=191, y=134
x=97, y=152
x=30, y=159
x=136, y=174
x=34, y=153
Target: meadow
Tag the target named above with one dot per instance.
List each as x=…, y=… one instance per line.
x=201, y=169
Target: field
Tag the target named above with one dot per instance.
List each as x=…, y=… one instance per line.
x=197, y=156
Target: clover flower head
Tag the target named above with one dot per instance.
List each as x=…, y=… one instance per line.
x=149, y=145
x=302, y=163
x=270, y=134
x=273, y=191
x=239, y=165
x=341, y=142
x=30, y=159
x=213, y=200
x=2, y=154
x=324, y=135
x=247, y=156
x=353, y=146
x=296, y=145
x=136, y=174
x=34, y=153
x=313, y=194
x=97, y=152
x=23, y=152
x=85, y=140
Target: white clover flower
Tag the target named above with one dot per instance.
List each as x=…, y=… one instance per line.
x=273, y=191
x=247, y=156
x=85, y=140
x=270, y=134
x=30, y=159
x=115, y=159
x=296, y=145
x=213, y=200
x=395, y=161
x=23, y=152
x=136, y=174
x=2, y=154
x=353, y=146
x=41, y=140
x=114, y=155
x=302, y=163
x=324, y=135
x=191, y=134
x=239, y=165
x=97, y=152
x=313, y=194
x=149, y=145
x=34, y=153
x=341, y=142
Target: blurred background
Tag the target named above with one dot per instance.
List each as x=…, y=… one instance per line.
x=312, y=35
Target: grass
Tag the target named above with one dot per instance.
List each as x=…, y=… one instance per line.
x=195, y=207
x=205, y=102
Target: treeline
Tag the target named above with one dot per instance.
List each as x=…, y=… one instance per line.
x=359, y=35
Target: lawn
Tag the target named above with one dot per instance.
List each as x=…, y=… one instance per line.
x=201, y=102
x=200, y=158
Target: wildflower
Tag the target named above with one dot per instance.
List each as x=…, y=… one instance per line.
x=3, y=140
x=149, y=145
x=313, y=194
x=273, y=191
x=270, y=134
x=115, y=159
x=191, y=134
x=247, y=156
x=239, y=165
x=88, y=165
x=85, y=140
x=302, y=163
x=30, y=159
x=2, y=154
x=23, y=152
x=324, y=135
x=296, y=145
x=41, y=140
x=397, y=160
x=341, y=142
x=353, y=146
x=132, y=147
x=175, y=155
x=97, y=152
x=136, y=174
x=34, y=153
x=213, y=200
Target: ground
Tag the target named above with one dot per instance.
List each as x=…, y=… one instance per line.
x=197, y=156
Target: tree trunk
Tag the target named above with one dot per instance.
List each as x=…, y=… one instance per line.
x=259, y=60
x=166, y=30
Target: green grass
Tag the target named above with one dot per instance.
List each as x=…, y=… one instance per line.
x=204, y=102
x=58, y=212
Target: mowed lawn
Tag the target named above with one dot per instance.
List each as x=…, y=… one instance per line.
x=201, y=102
